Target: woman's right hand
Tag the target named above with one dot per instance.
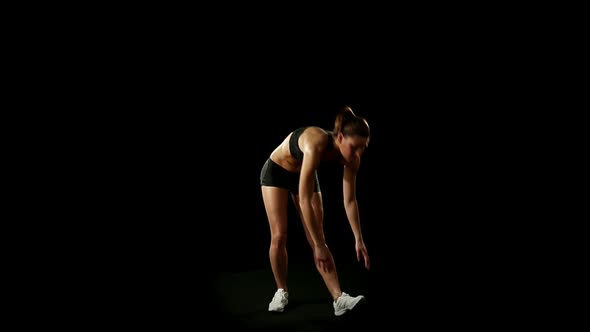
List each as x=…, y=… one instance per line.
x=323, y=257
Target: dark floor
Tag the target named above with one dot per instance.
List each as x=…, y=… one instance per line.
x=242, y=299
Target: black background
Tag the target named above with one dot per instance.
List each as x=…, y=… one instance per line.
x=180, y=136
x=191, y=205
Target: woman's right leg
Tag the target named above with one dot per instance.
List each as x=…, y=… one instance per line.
x=276, y=204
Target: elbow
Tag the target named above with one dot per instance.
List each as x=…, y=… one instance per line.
x=305, y=201
x=349, y=201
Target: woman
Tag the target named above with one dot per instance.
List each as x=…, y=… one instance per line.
x=292, y=169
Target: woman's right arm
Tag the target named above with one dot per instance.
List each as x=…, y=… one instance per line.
x=312, y=147
x=306, y=185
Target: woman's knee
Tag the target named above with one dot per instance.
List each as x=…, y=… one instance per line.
x=279, y=239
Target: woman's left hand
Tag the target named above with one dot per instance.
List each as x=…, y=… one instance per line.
x=362, y=250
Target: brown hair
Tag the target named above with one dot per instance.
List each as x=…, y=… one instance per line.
x=349, y=124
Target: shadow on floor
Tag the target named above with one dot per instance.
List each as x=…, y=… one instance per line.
x=241, y=300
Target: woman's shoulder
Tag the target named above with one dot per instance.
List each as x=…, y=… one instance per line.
x=314, y=130
x=315, y=135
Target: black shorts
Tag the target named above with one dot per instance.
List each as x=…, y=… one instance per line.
x=273, y=175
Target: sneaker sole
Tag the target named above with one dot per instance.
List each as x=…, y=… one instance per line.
x=278, y=309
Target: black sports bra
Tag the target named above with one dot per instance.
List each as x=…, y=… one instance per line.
x=294, y=145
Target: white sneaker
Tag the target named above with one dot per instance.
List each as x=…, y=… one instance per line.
x=279, y=301
x=345, y=303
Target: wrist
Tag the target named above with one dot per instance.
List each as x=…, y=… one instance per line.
x=319, y=244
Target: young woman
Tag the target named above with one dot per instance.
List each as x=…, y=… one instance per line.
x=292, y=170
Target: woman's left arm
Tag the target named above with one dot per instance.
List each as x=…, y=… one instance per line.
x=352, y=210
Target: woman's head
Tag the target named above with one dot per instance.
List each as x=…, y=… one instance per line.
x=352, y=133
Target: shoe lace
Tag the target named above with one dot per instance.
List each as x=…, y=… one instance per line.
x=278, y=297
x=343, y=299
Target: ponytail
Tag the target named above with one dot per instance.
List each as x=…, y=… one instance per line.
x=349, y=124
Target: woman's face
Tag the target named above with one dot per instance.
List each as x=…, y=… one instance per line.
x=352, y=147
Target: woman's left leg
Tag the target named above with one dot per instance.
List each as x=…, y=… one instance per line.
x=330, y=277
